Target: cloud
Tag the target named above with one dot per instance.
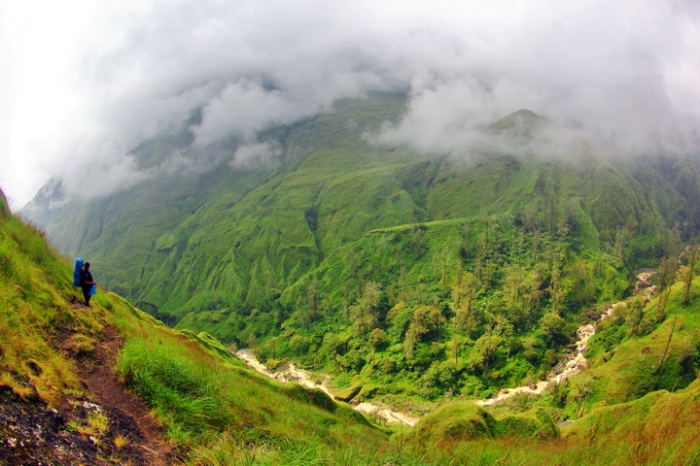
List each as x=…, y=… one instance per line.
x=254, y=154
x=616, y=73
x=243, y=109
x=104, y=167
x=625, y=72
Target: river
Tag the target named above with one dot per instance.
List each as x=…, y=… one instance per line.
x=293, y=374
x=574, y=364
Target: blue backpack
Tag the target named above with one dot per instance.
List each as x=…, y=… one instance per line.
x=77, y=270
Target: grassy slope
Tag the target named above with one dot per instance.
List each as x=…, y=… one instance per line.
x=626, y=357
x=232, y=239
x=211, y=405
x=658, y=429
x=614, y=422
x=237, y=418
x=288, y=250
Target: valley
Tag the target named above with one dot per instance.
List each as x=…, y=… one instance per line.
x=453, y=301
x=572, y=364
x=415, y=275
x=292, y=374
x=329, y=233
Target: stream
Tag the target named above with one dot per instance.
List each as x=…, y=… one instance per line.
x=573, y=364
x=293, y=374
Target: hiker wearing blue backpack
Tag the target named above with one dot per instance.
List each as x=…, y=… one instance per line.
x=87, y=283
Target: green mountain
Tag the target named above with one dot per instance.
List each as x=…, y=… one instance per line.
x=69, y=375
x=111, y=385
x=405, y=274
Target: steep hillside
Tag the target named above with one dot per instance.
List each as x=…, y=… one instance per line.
x=110, y=385
x=637, y=403
x=357, y=257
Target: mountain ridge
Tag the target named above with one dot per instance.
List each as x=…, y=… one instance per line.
x=286, y=258
x=56, y=354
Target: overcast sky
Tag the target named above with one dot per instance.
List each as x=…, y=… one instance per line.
x=83, y=82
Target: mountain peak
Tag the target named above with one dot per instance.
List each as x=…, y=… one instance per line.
x=521, y=123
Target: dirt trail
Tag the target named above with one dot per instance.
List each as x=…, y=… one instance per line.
x=97, y=372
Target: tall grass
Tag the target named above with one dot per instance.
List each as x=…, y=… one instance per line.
x=179, y=389
x=33, y=303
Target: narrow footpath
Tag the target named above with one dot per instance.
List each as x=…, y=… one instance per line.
x=126, y=410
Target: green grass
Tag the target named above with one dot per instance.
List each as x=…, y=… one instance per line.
x=220, y=413
x=208, y=401
x=415, y=276
x=625, y=366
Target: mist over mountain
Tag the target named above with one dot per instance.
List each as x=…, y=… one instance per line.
x=141, y=393
x=622, y=76
x=321, y=242
x=482, y=216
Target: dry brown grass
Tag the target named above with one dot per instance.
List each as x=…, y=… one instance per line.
x=23, y=391
x=120, y=442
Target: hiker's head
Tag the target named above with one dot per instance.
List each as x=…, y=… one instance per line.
x=87, y=265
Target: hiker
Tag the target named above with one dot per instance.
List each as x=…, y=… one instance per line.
x=86, y=283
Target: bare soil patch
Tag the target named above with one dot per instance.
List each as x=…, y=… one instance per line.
x=97, y=372
x=31, y=433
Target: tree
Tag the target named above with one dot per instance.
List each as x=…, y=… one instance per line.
x=425, y=323
x=417, y=240
x=454, y=348
x=690, y=255
x=365, y=314
x=514, y=285
x=463, y=290
x=378, y=338
x=620, y=238
x=483, y=353
x=552, y=329
x=312, y=298
x=634, y=315
x=665, y=275
x=580, y=285
x=533, y=293
x=555, y=290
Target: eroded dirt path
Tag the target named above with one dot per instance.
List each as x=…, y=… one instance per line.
x=97, y=372
x=102, y=425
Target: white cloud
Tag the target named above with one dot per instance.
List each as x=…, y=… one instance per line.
x=254, y=154
x=243, y=109
x=625, y=70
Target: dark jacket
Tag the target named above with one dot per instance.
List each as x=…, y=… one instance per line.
x=86, y=279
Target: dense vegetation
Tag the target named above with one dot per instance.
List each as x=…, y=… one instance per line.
x=216, y=412
x=214, y=409
x=403, y=273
